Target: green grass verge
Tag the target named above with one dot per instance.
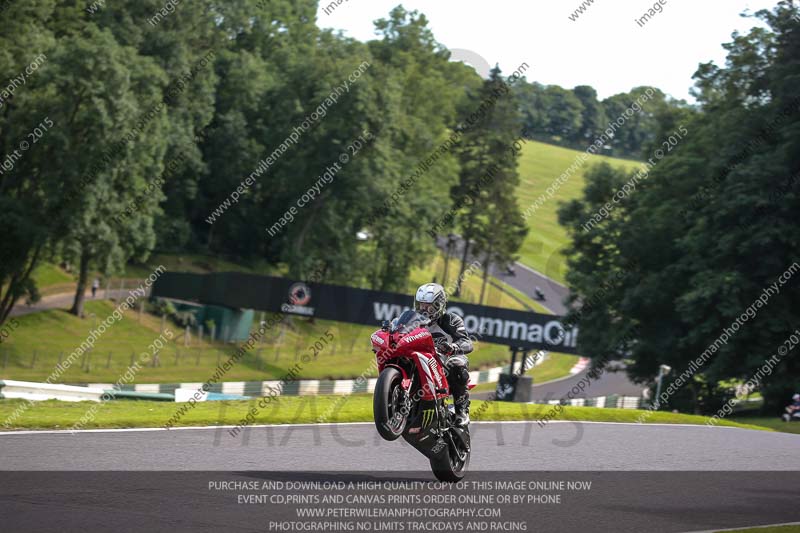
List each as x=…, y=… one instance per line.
x=48, y=274
x=772, y=422
x=295, y=410
x=539, y=165
x=557, y=365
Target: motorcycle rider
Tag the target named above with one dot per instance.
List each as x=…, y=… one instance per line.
x=793, y=410
x=452, y=342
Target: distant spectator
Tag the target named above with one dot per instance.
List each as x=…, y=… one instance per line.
x=95, y=286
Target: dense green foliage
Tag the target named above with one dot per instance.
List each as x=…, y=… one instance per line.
x=152, y=128
x=576, y=118
x=687, y=253
x=202, y=130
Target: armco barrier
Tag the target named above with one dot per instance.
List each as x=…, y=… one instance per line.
x=612, y=402
x=27, y=390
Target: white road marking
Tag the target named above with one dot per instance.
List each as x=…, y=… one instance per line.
x=199, y=428
x=746, y=528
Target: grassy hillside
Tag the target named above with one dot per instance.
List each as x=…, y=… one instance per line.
x=539, y=165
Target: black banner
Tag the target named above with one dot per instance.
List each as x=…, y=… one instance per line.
x=360, y=306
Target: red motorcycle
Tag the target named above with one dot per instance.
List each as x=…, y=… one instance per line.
x=410, y=398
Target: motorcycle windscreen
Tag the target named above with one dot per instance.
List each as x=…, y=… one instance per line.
x=409, y=321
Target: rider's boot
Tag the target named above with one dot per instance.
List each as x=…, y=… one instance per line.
x=462, y=409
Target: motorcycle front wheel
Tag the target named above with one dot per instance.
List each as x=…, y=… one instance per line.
x=453, y=466
x=387, y=404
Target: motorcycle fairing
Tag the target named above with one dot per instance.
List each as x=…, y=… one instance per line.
x=423, y=432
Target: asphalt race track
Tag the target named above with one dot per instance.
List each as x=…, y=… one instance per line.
x=564, y=446
x=643, y=477
x=607, y=384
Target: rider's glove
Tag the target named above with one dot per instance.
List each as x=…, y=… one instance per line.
x=451, y=349
x=444, y=347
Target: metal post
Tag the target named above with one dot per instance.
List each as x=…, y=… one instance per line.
x=513, y=360
x=663, y=370
x=108, y=361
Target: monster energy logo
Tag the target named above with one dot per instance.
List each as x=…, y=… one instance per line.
x=427, y=417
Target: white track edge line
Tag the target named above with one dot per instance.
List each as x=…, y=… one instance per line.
x=746, y=528
x=327, y=424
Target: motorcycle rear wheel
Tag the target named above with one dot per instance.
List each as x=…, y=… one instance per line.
x=387, y=404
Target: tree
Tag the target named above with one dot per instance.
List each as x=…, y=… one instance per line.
x=564, y=113
x=593, y=118
x=421, y=98
x=28, y=210
x=686, y=254
x=128, y=146
x=491, y=219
